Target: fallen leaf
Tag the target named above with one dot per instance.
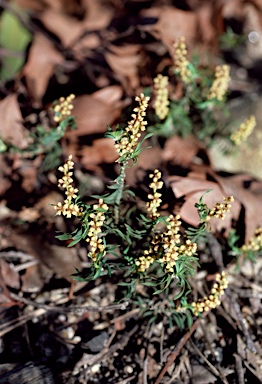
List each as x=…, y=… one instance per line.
x=172, y=23
x=124, y=62
x=94, y=112
x=42, y=59
x=11, y=127
x=180, y=151
x=102, y=151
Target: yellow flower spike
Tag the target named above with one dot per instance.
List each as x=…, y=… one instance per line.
x=63, y=108
x=153, y=205
x=220, y=83
x=161, y=104
x=68, y=208
x=245, y=130
x=220, y=209
x=180, y=60
x=135, y=126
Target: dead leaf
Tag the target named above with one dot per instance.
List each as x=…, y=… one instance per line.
x=67, y=28
x=9, y=277
x=180, y=151
x=149, y=159
x=124, y=62
x=172, y=23
x=11, y=122
x=98, y=15
x=94, y=112
x=42, y=59
x=102, y=151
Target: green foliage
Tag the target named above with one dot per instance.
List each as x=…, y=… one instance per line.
x=14, y=38
x=231, y=40
x=194, y=113
x=138, y=244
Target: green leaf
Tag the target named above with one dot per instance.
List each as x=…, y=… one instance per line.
x=14, y=38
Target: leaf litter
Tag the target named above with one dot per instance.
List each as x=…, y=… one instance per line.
x=106, y=52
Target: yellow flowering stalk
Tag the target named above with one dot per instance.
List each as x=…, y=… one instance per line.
x=220, y=209
x=180, y=60
x=161, y=104
x=68, y=208
x=170, y=239
x=245, y=130
x=214, y=299
x=129, y=139
x=255, y=243
x=153, y=205
x=95, y=229
x=220, y=83
x=63, y=108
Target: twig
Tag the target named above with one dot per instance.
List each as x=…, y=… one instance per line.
x=180, y=345
x=239, y=369
x=76, y=308
x=146, y=357
x=212, y=368
x=250, y=344
x=109, y=351
x=216, y=250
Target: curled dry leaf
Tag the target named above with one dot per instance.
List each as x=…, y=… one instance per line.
x=102, y=151
x=124, y=62
x=94, y=112
x=42, y=59
x=172, y=23
x=11, y=122
x=180, y=151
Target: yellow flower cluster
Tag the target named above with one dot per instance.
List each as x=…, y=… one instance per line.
x=245, y=129
x=149, y=255
x=220, y=209
x=170, y=239
x=95, y=228
x=134, y=128
x=152, y=206
x=220, y=83
x=63, y=108
x=214, y=299
x=188, y=248
x=255, y=243
x=180, y=60
x=161, y=104
x=68, y=208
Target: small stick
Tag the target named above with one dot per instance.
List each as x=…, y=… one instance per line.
x=76, y=308
x=239, y=369
x=180, y=345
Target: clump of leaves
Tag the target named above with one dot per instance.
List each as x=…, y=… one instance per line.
x=145, y=247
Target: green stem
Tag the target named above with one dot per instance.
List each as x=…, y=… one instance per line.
x=121, y=183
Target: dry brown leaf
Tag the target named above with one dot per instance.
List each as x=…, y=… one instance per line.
x=94, y=112
x=180, y=151
x=8, y=275
x=42, y=59
x=35, y=277
x=67, y=28
x=11, y=122
x=98, y=14
x=148, y=159
x=102, y=151
x=172, y=23
x=61, y=260
x=124, y=62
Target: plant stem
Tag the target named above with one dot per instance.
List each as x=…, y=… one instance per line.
x=121, y=183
